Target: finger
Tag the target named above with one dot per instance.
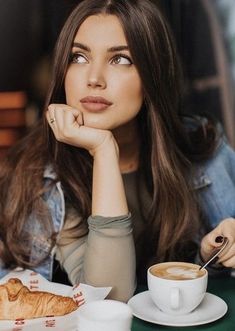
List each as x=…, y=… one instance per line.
x=226, y=228
x=70, y=118
x=51, y=114
x=80, y=118
x=209, y=242
x=229, y=263
x=227, y=254
x=59, y=115
x=50, y=119
x=55, y=109
x=216, y=238
x=54, y=106
x=55, y=119
x=78, y=115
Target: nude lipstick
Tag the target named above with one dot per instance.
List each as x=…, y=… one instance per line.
x=95, y=104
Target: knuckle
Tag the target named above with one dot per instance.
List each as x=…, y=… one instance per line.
x=52, y=106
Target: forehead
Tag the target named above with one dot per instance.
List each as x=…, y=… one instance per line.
x=102, y=29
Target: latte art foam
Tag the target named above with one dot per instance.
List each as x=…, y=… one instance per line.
x=183, y=272
x=177, y=271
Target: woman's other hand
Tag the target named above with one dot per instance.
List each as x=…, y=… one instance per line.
x=68, y=126
x=213, y=240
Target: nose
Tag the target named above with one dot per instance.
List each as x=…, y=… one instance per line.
x=96, y=77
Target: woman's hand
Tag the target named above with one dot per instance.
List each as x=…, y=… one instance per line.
x=68, y=127
x=108, y=193
x=212, y=240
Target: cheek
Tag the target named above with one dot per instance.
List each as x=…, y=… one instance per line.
x=67, y=86
x=131, y=94
x=71, y=85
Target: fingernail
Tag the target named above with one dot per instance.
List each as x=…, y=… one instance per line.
x=219, y=239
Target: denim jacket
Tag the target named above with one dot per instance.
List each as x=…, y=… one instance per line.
x=214, y=181
x=40, y=246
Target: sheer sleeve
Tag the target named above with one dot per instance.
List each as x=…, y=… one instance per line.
x=102, y=255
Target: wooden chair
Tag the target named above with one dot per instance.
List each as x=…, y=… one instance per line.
x=12, y=118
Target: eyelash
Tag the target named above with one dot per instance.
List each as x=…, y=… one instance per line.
x=124, y=56
x=73, y=55
x=118, y=55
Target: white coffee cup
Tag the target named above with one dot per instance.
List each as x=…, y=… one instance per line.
x=104, y=315
x=177, y=288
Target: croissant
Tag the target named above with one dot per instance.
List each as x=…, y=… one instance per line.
x=18, y=302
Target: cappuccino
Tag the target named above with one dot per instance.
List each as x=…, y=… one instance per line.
x=177, y=288
x=177, y=271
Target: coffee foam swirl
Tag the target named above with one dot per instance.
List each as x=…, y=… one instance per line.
x=182, y=272
x=177, y=271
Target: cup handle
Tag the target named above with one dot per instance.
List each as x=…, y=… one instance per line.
x=175, y=298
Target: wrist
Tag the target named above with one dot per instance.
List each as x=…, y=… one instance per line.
x=108, y=146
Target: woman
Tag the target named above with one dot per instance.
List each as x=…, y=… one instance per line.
x=114, y=166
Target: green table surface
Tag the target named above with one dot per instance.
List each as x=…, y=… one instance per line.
x=222, y=287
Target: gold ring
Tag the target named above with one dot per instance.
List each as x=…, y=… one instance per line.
x=52, y=120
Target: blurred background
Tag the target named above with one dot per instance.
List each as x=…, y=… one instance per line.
x=204, y=31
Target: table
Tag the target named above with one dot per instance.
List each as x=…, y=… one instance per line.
x=222, y=287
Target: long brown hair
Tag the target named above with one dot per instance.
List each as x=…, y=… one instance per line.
x=166, y=145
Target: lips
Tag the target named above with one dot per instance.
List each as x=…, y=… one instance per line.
x=95, y=104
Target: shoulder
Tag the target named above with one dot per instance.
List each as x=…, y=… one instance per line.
x=221, y=164
x=214, y=181
x=223, y=158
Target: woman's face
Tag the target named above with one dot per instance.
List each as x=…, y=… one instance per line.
x=101, y=81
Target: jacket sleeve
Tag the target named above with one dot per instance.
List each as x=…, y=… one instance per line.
x=217, y=198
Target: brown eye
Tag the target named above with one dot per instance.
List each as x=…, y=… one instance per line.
x=121, y=59
x=78, y=58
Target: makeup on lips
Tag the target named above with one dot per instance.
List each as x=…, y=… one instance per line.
x=95, y=103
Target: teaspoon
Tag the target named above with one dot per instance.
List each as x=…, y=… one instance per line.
x=216, y=253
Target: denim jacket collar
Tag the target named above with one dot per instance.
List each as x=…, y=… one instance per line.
x=200, y=179
x=49, y=172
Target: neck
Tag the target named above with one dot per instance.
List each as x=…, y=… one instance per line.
x=128, y=140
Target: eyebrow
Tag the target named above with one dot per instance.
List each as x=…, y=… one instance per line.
x=111, y=49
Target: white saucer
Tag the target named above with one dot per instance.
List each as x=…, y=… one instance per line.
x=211, y=309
